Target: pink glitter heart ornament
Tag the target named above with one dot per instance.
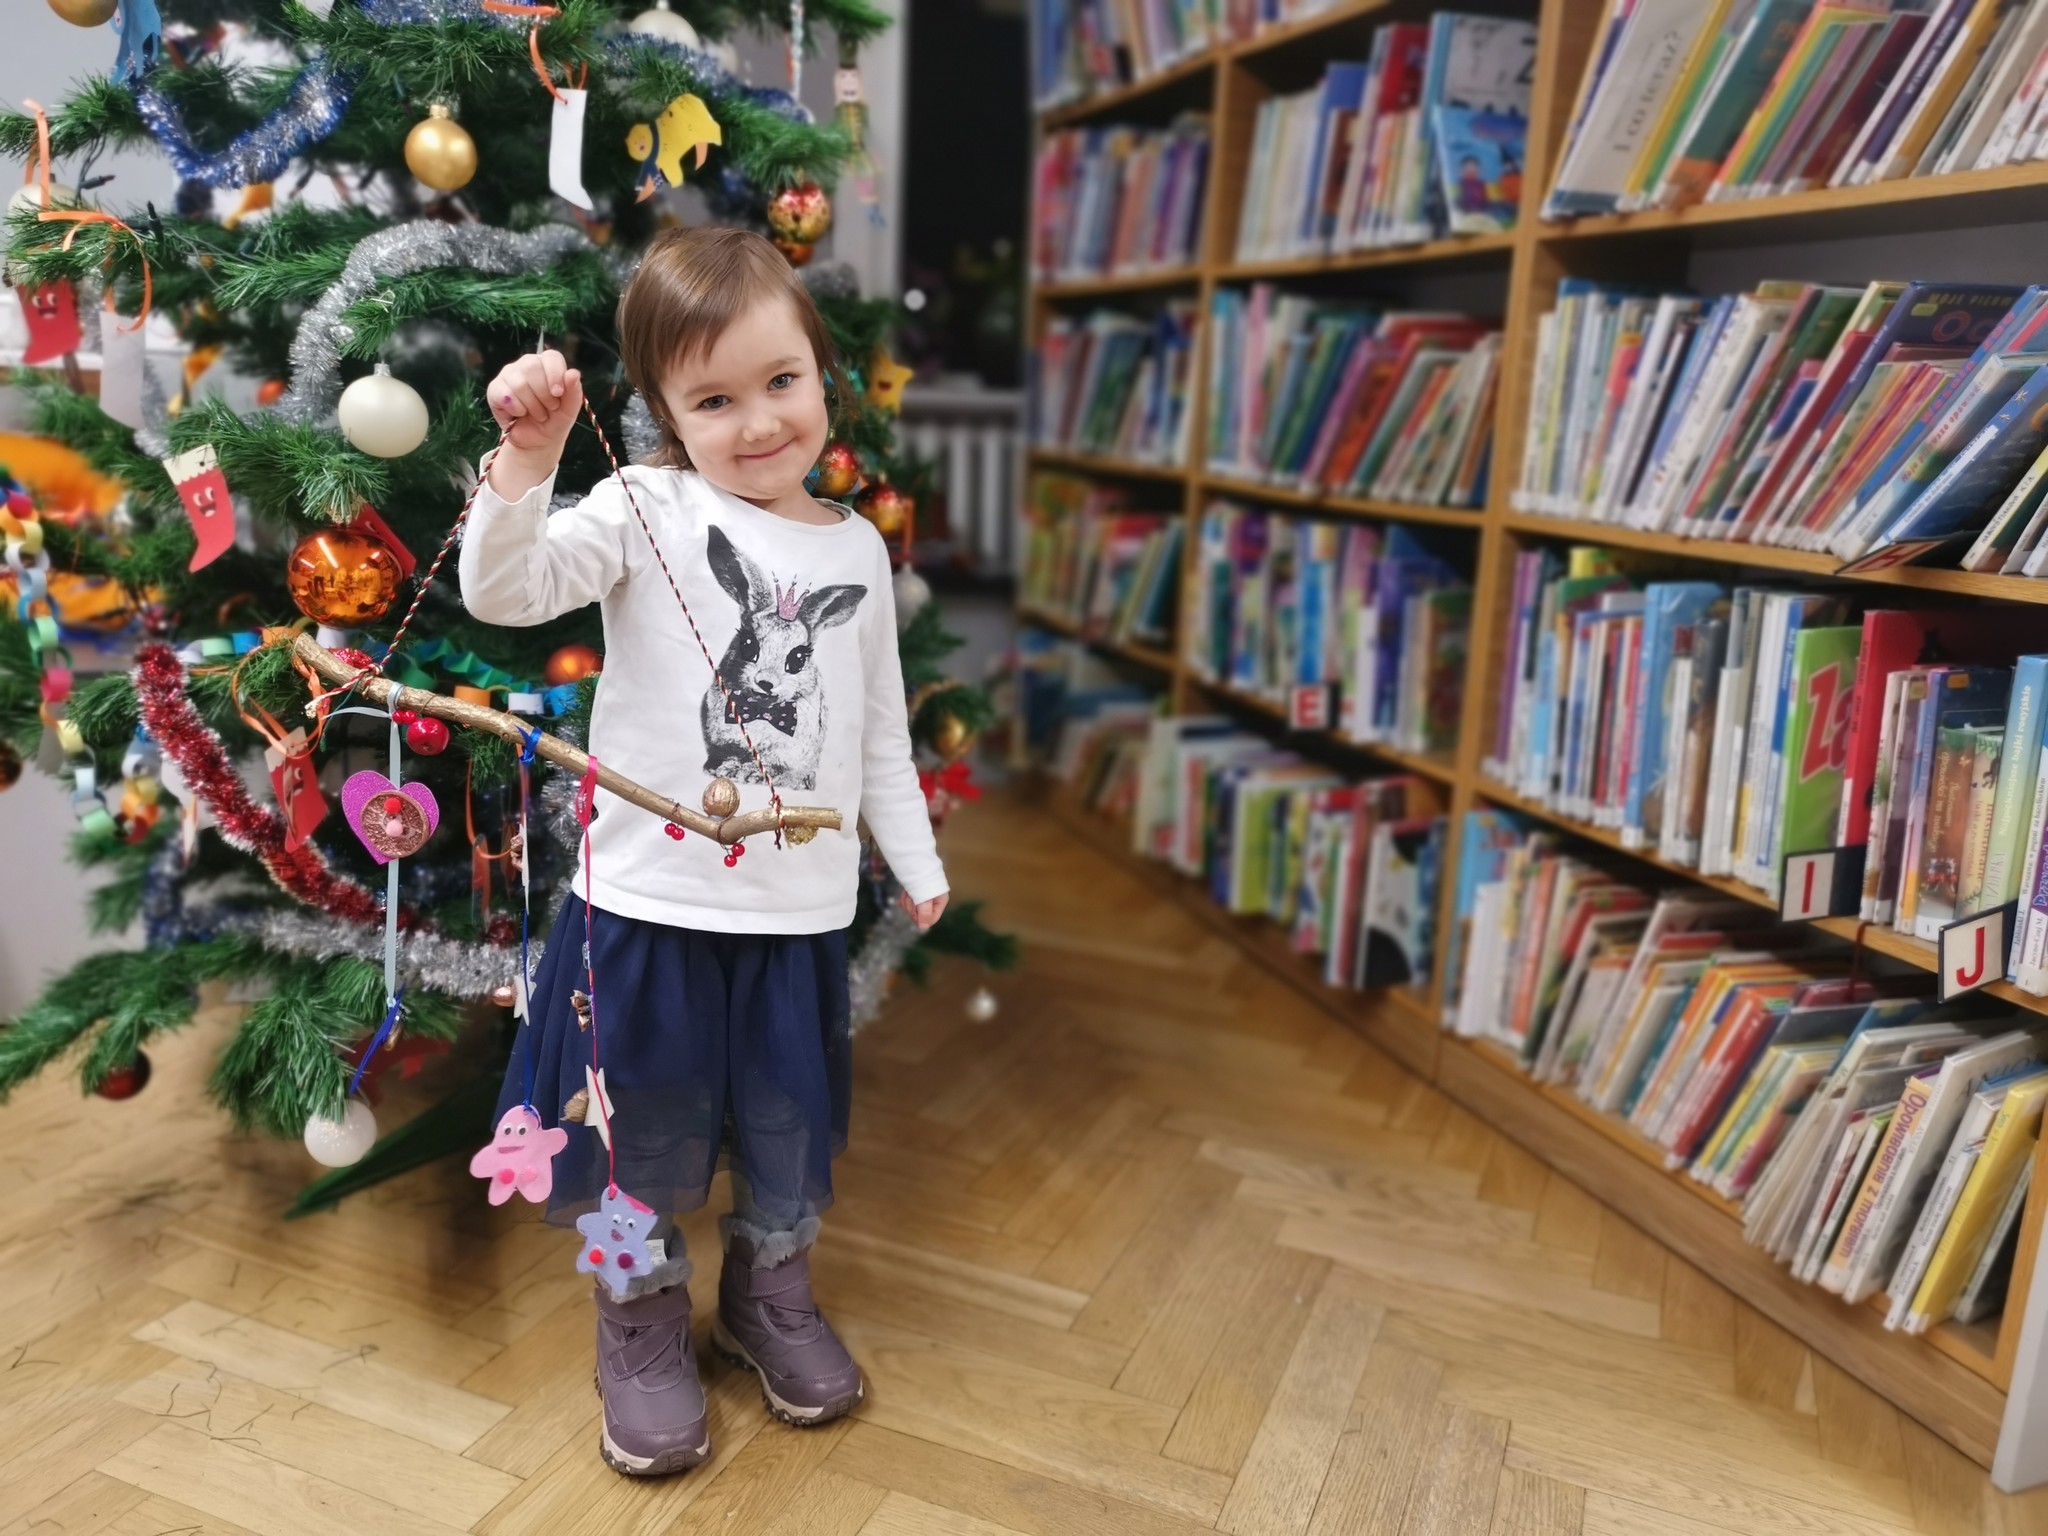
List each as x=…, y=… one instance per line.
x=393, y=822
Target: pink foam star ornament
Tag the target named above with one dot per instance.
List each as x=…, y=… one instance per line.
x=520, y=1158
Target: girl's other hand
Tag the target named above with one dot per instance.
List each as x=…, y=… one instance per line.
x=926, y=912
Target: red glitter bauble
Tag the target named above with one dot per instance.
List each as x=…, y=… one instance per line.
x=838, y=470
x=125, y=1082
x=886, y=507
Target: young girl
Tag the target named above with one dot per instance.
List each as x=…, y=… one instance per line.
x=721, y=984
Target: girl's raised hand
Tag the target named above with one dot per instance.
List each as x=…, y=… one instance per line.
x=536, y=398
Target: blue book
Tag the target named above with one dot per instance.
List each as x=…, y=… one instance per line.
x=1667, y=607
x=1966, y=493
x=2019, y=762
x=1697, y=352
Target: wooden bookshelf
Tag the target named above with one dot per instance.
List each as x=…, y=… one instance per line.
x=1074, y=290
x=1954, y=1380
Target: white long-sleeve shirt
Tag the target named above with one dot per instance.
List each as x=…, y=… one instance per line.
x=802, y=622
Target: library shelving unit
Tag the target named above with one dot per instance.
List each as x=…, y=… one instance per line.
x=1967, y=1383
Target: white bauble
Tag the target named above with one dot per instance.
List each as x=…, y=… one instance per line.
x=665, y=24
x=981, y=1005
x=29, y=199
x=728, y=58
x=342, y=1143
x=383, y=416
x=912, y=593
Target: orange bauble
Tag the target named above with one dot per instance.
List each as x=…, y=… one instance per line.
x=795, y=252
x=270, y=391
x=343, y=578
x=886, y=507
x=571, y=664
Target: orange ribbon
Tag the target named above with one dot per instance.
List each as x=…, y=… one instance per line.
x=78, y=218
x=539, y=13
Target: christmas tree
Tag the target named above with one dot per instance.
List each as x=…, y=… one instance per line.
x=494, y=165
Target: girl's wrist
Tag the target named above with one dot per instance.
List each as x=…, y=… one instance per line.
x=515, y=471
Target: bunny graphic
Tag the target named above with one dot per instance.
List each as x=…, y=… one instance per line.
x=771, y=667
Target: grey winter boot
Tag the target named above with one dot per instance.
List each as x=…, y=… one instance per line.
x=768, y=1323
x=647, y=1376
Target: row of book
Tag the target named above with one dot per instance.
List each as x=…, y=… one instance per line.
x=1082, y=47
x=1424, y=138
x=1898, y=422
x=1115, y=384
x=1685, y=101
x=1350, y=399
x=1724, y=729
x=1876, y=1143
x=1119, y=199
x=1091, y=558
x=1278, y=603
x=1347, y=868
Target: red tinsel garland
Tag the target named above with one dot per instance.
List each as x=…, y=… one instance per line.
x=188, y=741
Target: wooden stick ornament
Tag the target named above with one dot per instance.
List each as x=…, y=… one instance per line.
x=718, y=820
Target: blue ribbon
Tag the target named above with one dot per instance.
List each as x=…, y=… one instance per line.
x=383, y=1033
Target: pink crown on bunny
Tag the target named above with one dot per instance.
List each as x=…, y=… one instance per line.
x=785, y=602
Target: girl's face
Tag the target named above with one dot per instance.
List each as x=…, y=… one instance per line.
x=751, y=410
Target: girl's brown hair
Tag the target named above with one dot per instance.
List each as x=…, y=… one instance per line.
x=691, y=285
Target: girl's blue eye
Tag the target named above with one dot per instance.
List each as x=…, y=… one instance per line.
x=712, y=402
x=782, y=381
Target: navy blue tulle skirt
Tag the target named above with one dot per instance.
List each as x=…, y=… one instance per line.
x=710, y=1042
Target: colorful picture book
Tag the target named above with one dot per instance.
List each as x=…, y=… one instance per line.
x=1092, y=559
x=1279, y=602
x=1395, y=405
x=1115, y=384
x=1423, y=138
x=1899, y=422
x=1115, y=200
x=1687, y=101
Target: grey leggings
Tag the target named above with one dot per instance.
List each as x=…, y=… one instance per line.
x=774, y=1239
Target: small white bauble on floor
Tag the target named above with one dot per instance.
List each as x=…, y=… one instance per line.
x=981, y=1005
x=342, y=1143
x=383, y=416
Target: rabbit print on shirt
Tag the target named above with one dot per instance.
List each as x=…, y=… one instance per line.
x=771, y=666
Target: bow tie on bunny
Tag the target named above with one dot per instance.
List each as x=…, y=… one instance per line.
x=747, y=707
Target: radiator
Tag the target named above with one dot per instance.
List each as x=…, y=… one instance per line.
x=974, y=439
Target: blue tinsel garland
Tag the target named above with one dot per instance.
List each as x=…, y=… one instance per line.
x=320, y=96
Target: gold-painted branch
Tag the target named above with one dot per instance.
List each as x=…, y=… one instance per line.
x=724, y=829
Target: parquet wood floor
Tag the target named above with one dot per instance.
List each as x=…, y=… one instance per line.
x=1161, y=1250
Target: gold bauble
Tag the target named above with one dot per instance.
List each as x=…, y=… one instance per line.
x=86, y=13
x=802, y=213
x=440, y=151
x=343, y=578
x=886, y=507
x=953, y=737
x=505, y=995
x=721, y=798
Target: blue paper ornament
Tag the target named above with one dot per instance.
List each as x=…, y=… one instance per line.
x=142, y=39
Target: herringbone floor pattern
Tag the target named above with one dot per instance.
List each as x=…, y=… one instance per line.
x=1161, y=1250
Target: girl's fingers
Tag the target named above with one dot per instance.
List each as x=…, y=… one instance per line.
x=553, y=368
x=534, y=400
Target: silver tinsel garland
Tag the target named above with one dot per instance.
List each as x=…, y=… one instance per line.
x=880, y=957
x=636, y=426
x=457, y=967
x=399, y=251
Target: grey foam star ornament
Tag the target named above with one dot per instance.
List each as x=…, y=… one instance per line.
x=615, y=1241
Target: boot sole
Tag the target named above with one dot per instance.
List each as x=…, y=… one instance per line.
x=679, y=1459
x=790, y=1413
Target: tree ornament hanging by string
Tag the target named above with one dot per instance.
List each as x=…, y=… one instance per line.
x=802, y=213
x=340, y=1141
x=838, y=471
x=382, y=415
x=342, y=578
x=519, y=1159
x=685, y=127
x=125, y=1082
x=439, y=150
x=86, y=13
x=795, y=252
x=665, y=25
x=850, y=109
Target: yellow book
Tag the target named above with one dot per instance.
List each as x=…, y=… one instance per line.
x=1658, y=145
x=2007, y=1147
